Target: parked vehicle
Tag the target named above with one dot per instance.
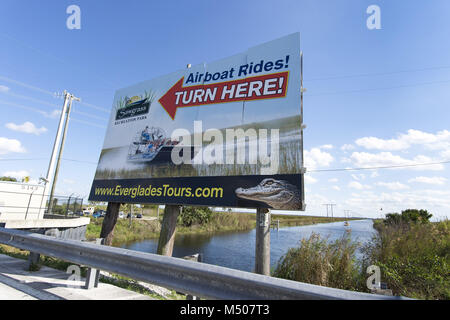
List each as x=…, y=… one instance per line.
x=139, y=216
x=121, y=215
x=97, y=214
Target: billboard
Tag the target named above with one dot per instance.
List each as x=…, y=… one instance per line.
x=226, y=134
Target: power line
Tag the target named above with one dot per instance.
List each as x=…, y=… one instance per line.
x=47, y=114
x=382, y=167
x=37, y=89
x=377, y=74
x=79, y=161
x=30, y=159
x=379, y=89
x=40, y=159
x=88, y=123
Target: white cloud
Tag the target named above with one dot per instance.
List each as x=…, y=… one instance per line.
x=336, y=188
x=4, y=88
x=380, y=144
x=429, y=180
x=374, y=174
x=68, y=181
x=333, y=180
x=435, y=201
x=392, y=185
x=445, y=154
x=327, y=146
x=27, y=127
x=53, y=115
x=358, y=177
x=10, y=146
x=347, y=147
x=386, y=159
x=16, y=174
x=437, y=141
x=358, y=186
x=317, y=158
x=309, y=179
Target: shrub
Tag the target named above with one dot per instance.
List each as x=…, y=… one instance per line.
x=414, y=258
x=408, y=216
x=194, y=216
x=319, y=262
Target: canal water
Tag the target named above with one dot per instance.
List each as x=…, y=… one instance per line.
x=237, y=250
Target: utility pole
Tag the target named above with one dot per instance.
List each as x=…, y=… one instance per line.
x=68, y=99
x=331, y=205
x=347, y=214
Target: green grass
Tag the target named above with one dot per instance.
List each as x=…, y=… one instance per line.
x=289, y=221
x=123, y=232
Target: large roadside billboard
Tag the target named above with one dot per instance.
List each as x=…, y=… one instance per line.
x=225, y=134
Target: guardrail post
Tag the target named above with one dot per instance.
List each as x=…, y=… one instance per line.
x=199, y=258
x=33, y=261
x=93, y=274
x=168, y=230
x=262, y=245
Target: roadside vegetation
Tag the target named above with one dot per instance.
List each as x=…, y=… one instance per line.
x=318, y=261
x=412, y=253
x=193, y=220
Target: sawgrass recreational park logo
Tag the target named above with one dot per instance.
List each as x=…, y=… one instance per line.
x=133, y=107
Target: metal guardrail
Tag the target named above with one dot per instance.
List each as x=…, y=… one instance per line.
x=197, y=279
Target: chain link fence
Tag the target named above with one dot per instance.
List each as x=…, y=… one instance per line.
x=31, y=203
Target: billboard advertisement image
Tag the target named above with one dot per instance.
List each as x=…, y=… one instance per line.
x=225, y=133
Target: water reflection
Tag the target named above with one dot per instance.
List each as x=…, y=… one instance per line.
x=237, y=250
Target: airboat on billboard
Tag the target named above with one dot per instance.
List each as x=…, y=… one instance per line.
x=226, y=134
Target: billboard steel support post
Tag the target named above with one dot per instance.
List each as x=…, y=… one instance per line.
x=168, y=230
x=262, y=245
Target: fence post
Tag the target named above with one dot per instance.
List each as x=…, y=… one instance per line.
x=28, y=207
x=67, y=207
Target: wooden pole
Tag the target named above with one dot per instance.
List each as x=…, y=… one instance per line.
x=168, y=230
x=262, y=246
x=109, y=222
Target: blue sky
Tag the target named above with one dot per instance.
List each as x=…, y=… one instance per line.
x=375, y=97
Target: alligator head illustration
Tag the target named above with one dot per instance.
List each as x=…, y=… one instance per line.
x=278, y=194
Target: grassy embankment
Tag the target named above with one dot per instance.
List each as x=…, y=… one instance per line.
x=414, y=259
x=218, y=223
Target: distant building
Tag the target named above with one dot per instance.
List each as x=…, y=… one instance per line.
x=20, y=201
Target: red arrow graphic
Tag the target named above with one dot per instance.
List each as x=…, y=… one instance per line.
x=252, y=88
